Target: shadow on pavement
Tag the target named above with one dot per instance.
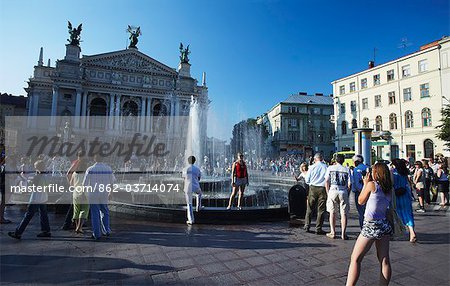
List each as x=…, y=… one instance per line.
x=66, y=269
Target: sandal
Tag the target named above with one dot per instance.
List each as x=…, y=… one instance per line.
x=345, y=237
x=413, y=240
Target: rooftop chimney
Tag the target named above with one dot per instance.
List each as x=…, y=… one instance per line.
x=371, y=64
x=302, y=93
x=319, y=94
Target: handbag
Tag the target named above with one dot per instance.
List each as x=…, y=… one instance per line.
x=420, y=185
x=398, y=227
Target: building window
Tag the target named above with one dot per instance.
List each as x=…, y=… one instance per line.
x=378, y=100
x=393, y=121
x=354, y=124
x=365, y=103
x=424, y=90
x=391, y=96
x=353, y=105
x=423, y=66
x=364, y=83
x=67, y=96
x=352, y=87
x=344, y=127
x=365, y=122
x=390, y=75
x=426, y=117
x=376, y=79
x=406, y=71
x=428, y=148
x=378, y=123
x=342, y=107
x=407, y=94
x=409, y=120
x=342, y=89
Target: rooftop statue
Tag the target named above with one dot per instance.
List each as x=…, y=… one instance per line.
x=134, y=34
x=74, y=34
x=184, y=53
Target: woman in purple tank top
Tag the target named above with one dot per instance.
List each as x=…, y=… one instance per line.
x=376, y=194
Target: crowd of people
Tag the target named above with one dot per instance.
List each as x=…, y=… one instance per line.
x=379, y=190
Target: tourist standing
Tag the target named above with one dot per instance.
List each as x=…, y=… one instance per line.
x=358, y=174
x=419, y=183
x=239, y=179
x=80, y=202
x=192, y=175
x=301, y=177
x=68, y=221
x=443, y=182
x=428, y=174
x=376, y=194
x=3, y=220
x=38, y=200
x=317, y=196
x=98, y=182
x=403, y=196
x=337, y=184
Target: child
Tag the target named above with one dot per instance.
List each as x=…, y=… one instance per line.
x=37, y=202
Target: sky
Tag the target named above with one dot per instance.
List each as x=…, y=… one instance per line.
x=255, y=52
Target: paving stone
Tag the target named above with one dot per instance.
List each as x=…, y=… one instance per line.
x=248, y=275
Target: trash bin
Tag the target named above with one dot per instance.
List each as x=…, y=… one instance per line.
x=297, y=202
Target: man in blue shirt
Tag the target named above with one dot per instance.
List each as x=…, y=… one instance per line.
x=358, y=173
x=317, y=196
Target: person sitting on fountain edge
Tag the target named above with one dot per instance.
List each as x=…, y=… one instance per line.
x=192, y=175
x=239, y=179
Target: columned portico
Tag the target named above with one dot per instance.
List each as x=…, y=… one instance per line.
x=142, y=119
x=117, y=113
x=77, y=108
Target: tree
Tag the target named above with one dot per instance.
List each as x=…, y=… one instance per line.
x=444, y=128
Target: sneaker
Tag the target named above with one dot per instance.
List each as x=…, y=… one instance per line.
x=189, y=222
x=44, y=234
x=306, y=228
x=331, y=235
x=420, y=210
x=14, y=235
x=94, y=238
x=320, y=232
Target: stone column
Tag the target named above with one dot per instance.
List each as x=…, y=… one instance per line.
x=117, y=113
x=149, y=115
x=35, y=108
x=83, y=110
x=77, y=109
x=30, y=110
x=142, y=118
x=54, y=106
x=111, y=112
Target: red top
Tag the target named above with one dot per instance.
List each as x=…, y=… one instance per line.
x=241, y=170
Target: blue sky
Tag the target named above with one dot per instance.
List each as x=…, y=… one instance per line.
x=255, y=52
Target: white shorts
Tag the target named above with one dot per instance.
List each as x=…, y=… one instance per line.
x=338, y=200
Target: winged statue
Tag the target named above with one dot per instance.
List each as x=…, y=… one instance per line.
x=184, y=53
x=74, y=34
x=134, y=34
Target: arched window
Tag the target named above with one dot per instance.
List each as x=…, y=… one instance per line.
x=378, y=123
x=130, y=111
x=354, y=123
x=97, y=112
x=426, y=117
x=393, y=121
x=366, y=122
x=344, y=127
x=409, y=120
x=428, y=147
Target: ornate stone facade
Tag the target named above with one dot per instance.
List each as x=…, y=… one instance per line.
x=126, y=88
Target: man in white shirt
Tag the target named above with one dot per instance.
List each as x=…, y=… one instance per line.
x=192, y=175
x=337, y=184
x=100, y=179
x=317, y=195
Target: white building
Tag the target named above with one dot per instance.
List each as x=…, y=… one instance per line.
x=301, y=125
x=401, y=100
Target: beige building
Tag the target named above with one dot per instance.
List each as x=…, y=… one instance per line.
x=301, y=125
x=401, y=100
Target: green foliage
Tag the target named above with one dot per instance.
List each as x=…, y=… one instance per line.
x=444, y=128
